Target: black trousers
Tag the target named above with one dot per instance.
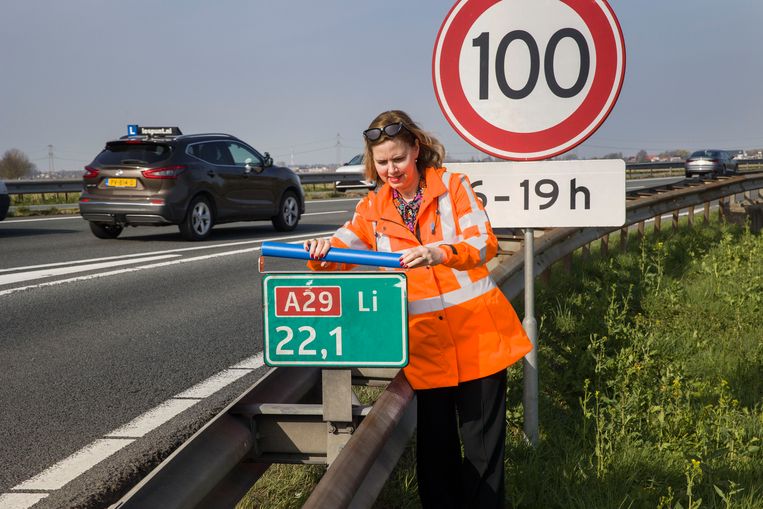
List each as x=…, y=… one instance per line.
x=477, y=411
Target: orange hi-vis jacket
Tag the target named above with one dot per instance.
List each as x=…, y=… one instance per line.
x=461, y=326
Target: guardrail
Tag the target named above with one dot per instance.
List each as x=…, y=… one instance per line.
x=45, y=186
x=209, y=469
x=558, y=243
x=665, y=168
x=216, y=466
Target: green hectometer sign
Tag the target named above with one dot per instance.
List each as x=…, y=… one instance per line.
x=335, y=319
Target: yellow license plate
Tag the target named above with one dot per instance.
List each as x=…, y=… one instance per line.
x=112, y=182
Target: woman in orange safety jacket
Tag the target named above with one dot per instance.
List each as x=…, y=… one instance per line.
x=463, y=332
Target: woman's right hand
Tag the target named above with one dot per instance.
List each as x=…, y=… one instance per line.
x=317, y=248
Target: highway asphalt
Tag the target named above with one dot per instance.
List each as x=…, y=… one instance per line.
x=94, y=333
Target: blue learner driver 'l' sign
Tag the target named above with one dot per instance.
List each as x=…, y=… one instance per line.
x=335, y=319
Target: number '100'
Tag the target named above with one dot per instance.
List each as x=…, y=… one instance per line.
x=483, y=43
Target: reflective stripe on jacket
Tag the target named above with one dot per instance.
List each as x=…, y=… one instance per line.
x=461, y=327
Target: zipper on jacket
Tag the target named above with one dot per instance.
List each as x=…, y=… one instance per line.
x=432, y=227
x=417, y=230
x=415, y=234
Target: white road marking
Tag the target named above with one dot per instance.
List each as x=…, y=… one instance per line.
x=20, y=500
x=126, y=271
x=669, y=215
x=253, y=362
x=135, y=269
x=64, y=471
x=166, y=251
x=324, y=213
x=12, y=221
x=45, y=273
x=149, y=421
x=213, y=384
x=67, y=470
x=333, y=201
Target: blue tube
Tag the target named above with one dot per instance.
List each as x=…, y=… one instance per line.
x=335, y=254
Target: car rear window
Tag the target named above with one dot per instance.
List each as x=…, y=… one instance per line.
x=133, y=153
x=706, y=153
x=358, y=159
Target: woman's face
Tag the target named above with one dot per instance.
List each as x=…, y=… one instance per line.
x=395, y=162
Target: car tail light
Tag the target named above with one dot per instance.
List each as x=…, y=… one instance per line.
x=84, y=200
x=167, y=172
x=90, y=172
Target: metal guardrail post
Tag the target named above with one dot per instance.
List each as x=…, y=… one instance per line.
x=353, y=479
x=337, y=410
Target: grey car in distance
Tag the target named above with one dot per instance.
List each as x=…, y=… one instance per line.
x=192, y=181
x=710, y=162
x=355, y=167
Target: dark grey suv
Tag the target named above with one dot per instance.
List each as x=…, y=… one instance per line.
x=193, y=181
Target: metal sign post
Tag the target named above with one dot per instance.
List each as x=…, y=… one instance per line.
x=530, y=324
x=527, y=80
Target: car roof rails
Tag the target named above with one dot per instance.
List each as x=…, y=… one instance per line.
x=200, y=135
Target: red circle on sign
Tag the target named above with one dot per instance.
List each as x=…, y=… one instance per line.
x=526, y=146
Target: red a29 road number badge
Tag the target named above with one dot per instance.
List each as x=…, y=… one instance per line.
x=308, y=301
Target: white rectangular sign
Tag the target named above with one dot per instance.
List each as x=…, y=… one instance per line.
x=547, y=194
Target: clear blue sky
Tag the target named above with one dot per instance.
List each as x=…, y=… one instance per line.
x=289, y=76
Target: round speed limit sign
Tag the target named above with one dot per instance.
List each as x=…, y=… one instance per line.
x=528, y=79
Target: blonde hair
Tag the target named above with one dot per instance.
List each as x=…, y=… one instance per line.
x=431, y=151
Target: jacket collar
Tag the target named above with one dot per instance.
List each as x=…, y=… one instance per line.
x=383, y=207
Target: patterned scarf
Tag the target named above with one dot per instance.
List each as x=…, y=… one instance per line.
x=409, y=210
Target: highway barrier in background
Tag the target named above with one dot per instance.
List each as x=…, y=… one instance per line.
x=220, y=463
x=48, y=186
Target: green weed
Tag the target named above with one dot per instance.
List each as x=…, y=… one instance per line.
x=44, y=199
x=655, y=399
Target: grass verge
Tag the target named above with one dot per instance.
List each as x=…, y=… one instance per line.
x=651, y=377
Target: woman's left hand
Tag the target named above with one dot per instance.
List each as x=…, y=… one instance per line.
x=421, y=256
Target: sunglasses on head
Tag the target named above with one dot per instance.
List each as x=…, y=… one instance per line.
x=391, y=130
